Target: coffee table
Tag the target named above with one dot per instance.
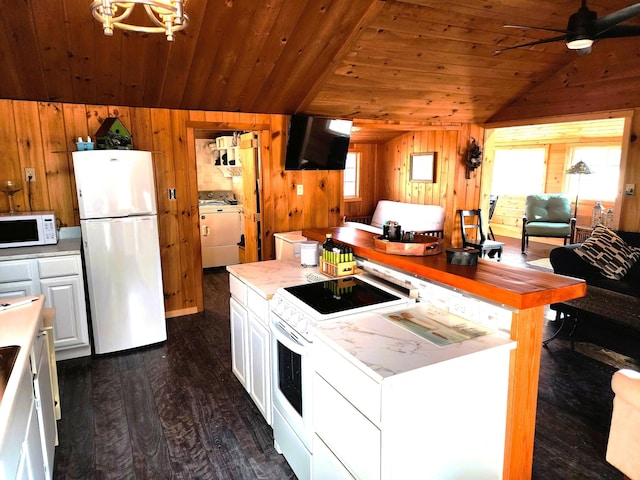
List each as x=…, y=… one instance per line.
x=599, y=304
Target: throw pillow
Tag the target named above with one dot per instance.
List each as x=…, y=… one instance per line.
x=605, y=250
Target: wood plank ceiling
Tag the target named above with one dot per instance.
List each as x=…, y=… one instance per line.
x=419, y=61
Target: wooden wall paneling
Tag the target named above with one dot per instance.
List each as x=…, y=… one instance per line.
x=29, y=137
x=189, y=253
x=195, y=246
x=168, y=224
x=629, y=217
x=446, y=175
x=96, y=115
x=556, y=161
x=75, y=125
x=272, y=143
x=10, y=156
x=141, y=129
x=59, y=176
x=249, y=160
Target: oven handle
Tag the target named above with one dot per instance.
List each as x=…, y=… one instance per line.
x=288, y=339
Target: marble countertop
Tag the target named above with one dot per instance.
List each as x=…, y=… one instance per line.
x=382, y=348
x=268, y=276
x=18, y=326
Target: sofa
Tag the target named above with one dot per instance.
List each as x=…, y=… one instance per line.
x=412, y=217
x=609, y=262
x=565, y=261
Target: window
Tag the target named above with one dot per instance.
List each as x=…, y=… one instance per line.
x=518, y=171
x=604, y=163
x=352, y=176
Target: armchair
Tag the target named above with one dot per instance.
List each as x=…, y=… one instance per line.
x=624, y=435
x=548, y=215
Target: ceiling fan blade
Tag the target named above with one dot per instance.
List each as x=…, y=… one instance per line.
x=536, y=28
x=538, y=42
x=620, y=31
x=609, y=21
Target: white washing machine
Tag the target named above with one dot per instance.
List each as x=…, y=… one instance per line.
x=221, y=228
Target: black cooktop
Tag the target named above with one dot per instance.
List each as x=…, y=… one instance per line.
x=340, y=294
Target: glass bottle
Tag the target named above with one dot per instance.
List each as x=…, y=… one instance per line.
x=597, y=214
x=608, y=218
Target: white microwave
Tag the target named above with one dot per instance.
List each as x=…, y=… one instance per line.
x=26, y=229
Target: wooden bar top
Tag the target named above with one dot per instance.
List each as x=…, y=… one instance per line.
x=510, y=285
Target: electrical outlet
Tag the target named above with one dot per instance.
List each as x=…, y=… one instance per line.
x=30, y=174
x=630, y=189
x=300, y=189
x=172, y=194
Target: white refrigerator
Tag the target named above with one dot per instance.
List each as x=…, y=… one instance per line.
x=117, y=203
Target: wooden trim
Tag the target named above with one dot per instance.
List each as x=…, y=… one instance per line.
x=203, y=125
x=181, y=312
x=577, y=117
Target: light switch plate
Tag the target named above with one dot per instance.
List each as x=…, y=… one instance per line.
x=630, y=189
x=300, y=189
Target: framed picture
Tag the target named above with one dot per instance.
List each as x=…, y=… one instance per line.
x=423, y=167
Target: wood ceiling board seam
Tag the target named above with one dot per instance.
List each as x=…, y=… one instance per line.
x=54, y=52
x=181, y=57
x=215, y=22
x=81, y=49
x=341, y=54
x=272, y=50
x=23, y=51
x=395, y=49
x=157, y=67
x=295, y=72
x=225, y=60
x=240, y=78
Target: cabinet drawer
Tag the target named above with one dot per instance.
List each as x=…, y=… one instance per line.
x=238, y=289
x=258, y=305
x=357, y=387
x=15, y=271
x=58, y=267
x=354, y=440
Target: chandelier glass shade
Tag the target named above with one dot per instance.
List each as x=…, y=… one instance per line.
x=164, y=16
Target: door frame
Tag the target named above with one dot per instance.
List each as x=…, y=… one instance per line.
x=264, y=131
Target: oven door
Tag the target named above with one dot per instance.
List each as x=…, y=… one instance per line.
x=292, y=374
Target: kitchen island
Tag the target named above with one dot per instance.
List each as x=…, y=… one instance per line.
x=525, y=291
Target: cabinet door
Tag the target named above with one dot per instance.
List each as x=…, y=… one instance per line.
x=66, y=295
x=259, y=363
x=239, y=351
x=32, y=459
x=44, y=401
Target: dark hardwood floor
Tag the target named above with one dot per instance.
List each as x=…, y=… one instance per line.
x=176, y=411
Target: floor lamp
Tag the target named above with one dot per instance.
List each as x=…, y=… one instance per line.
x=579, y=169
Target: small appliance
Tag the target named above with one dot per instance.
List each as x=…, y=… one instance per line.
x=309, y=253
x=28, y=229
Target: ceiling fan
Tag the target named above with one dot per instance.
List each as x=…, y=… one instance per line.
x=584, y=27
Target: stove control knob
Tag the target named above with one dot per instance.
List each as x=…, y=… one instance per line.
x=303, y=324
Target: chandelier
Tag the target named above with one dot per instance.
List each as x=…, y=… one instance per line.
x=166, y=16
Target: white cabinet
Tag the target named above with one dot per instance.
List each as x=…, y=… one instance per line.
x=28, y=442
x=251, y=343
x=60, y=280
x=40, y=369
x=239, y=351
x=445, y=420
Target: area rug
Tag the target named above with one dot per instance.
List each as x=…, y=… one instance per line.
x=543, y=264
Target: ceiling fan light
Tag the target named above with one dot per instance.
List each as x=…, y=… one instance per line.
x=579, y=43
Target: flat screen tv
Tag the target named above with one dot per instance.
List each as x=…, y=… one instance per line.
x=317, y=143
